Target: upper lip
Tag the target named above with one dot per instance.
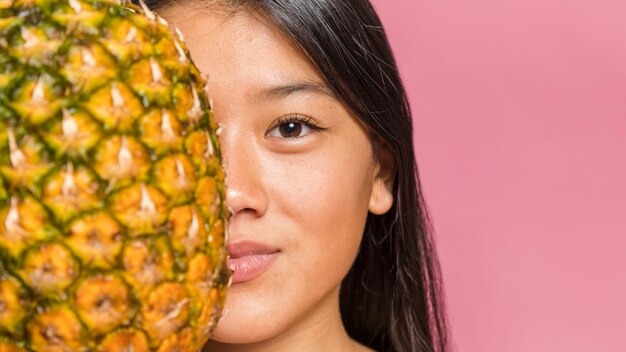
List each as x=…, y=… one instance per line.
x=243, y=248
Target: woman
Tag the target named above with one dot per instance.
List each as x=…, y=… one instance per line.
x=329, y=239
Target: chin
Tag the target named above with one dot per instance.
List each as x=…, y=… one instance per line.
x=229, y=331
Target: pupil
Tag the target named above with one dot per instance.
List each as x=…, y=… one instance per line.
x=290, y=129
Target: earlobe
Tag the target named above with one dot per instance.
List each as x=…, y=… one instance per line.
x=382, y=198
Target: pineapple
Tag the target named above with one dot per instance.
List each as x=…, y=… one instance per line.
x=112, y=219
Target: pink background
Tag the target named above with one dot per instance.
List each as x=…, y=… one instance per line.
x=520, y=130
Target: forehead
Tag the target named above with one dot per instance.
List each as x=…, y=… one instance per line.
x=241, y=49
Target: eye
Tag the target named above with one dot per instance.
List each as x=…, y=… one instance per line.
x=293, y=126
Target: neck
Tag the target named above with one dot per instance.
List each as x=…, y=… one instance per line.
x=319, y=330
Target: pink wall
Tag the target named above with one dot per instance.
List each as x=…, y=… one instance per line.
x=520, y=114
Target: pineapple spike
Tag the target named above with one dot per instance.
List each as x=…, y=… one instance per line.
x=30, y=39
x=38, y=93
x=206, y=85
x=12, y=221
x=124, y=156
x=131, y=35
x=209, y=148
x=88, y=58
x=194, y=226
x=207, y=92
x=173, y=313
x=18, y=159
x=75, y=5
x=219, y=130
x=166, y=124
x=182, y=177
x=116, y=96
x=162, y=21
x=182, y=56
x=147, y=11
x=146, y=204
x=157, y=75
x=195, y=111
x=68, y=125
x=68, y=189
x=179, y=34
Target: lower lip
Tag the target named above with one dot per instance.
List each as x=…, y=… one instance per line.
x=250, y=267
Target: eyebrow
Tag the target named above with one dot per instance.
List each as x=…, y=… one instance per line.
x=300, y=87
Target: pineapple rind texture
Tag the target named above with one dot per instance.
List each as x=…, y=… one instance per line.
x=112, y=216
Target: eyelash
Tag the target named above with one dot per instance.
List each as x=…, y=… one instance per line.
x=298, y=118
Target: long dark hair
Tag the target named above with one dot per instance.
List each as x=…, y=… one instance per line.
x=392, y=297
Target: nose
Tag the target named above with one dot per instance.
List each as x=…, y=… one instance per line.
x=245, y=195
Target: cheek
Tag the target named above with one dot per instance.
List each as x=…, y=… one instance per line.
x=325, y=197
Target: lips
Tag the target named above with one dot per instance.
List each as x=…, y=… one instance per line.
x=248, y=260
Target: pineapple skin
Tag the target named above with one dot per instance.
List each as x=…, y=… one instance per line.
x=112, y=216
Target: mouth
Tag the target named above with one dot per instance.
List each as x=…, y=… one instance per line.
x=249, y=260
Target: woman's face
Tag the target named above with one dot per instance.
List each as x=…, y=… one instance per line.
x=301, y=188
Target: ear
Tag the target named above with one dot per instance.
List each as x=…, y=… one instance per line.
x=381, y=198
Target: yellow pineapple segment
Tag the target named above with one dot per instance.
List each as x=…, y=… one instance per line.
x=74, y=134
x=161, y=131
x=11, y=303
x=175, y=175
x=188, y=229
x=22, y=223
x=200, y=147
x=82, y=18
x=182, y=341
x=38, y=46
x=38, y=100
x=121, y=160
x=187, y=103
x=56, y=329
x=208, y=319
x=49, y=268
x=103, y=303
x=88, y=67
x=146, y=264
x=216, y=236
x=96, y=239
x=70, y=191
x=148, y=79
x=124, y=340
x=200, y=273
x=123, y=40
x=165, y=310
x=27, y=162
x=116, y=106
x=174, y=57
x=207, y=197
x=141, y=208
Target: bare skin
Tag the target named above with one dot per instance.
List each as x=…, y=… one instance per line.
x=306, y=192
